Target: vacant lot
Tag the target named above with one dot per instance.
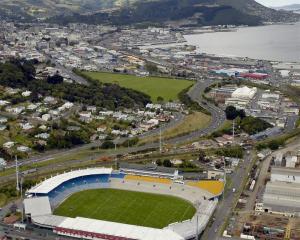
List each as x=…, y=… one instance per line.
x=192, y=122
x=137, y=208
x=167, y=88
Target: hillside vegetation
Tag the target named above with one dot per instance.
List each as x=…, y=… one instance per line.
x=21, y=74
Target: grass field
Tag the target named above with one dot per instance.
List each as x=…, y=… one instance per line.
x=168, y=88
x=136, y=208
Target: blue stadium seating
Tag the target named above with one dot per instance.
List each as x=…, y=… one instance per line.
x=117, y=175
x=58, y=194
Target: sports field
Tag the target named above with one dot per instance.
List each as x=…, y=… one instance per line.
x=136, y=208
x=167, y=88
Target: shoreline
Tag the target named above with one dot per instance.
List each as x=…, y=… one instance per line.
x=210, y=51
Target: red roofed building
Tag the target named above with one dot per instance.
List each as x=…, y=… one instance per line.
x=258, y=76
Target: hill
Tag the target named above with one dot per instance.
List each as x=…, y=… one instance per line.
x=292, y=7
x=119, y=12
x=184, y=13
x=174, y=12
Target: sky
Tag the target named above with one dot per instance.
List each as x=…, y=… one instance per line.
x=277, y=3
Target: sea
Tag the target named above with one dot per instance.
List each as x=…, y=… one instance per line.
x=270, y=42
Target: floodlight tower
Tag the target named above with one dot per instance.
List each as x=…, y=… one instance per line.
x=17, y=174
x=160, y=141
x=22, y=206
x=233, y=130
x=197, y=228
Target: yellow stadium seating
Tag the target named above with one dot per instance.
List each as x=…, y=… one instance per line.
x=148, y=179
x=212, y=186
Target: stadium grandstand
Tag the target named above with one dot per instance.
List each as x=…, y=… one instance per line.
x=149, y=170
x=148, y=179
x=213, y=186
x=42, y=199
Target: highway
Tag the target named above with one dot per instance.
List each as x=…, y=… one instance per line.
x=63, y=70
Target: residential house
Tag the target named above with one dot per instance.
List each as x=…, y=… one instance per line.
x=26, y=94
x=8, y=144
x=23, y=149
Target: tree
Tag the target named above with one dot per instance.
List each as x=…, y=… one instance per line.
x=55, y=79
x=130, y=142
x=107, y=145
x=235, y=151
x=167, y=163
x=252, y=125
x=159, y=162
x=274, y=145
x=241, y=114
x=151, y=67
x=202, y=156
x=231, y=112
x=160, y=99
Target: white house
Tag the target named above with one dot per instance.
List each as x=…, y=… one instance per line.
x=16, y=110
x=3, y=163
x=46, y=117
x=42, y=135
x=32, y=107
x=26, y=94
x=26, y=126
x=3, y=103
x=8, y=144
x=3, y=120
x=23, y=149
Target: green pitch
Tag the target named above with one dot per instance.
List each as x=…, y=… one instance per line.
x=135, y=208
x=168, y=88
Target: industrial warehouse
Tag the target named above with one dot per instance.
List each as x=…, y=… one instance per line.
x=282, y=192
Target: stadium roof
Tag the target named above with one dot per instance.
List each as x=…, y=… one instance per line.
x=49, y=184
x=118, y=229
x=49, y=221
x=188, y=229
x=147, y=168
x=37, y=206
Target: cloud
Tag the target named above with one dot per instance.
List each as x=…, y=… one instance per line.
x=277, y=3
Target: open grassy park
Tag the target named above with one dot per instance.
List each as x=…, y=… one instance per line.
x=136, y=208
x=167, y=88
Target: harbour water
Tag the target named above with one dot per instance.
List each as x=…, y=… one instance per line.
x=271, y=42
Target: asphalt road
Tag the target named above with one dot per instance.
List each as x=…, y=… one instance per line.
x=64, y=70
x=225, y=206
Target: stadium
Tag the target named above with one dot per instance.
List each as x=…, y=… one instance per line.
x=102, y=203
